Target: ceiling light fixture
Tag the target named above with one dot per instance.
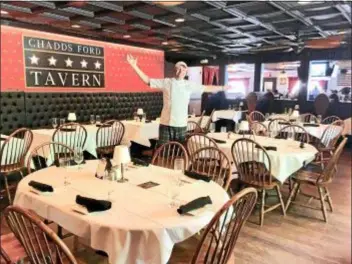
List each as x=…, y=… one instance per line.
x=126, y=36
x=75, y=26
x=164, y=43
x=304, y=2
x=3, y=12
x=179, y=20
x=169, y=3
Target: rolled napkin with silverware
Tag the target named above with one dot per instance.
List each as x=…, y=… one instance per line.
x=140, y=162
x=197, y=176
x=268, y=147
x=41, y=186
x=195, y=204
x=219, y=141
x=93, y=205
x=311, y=125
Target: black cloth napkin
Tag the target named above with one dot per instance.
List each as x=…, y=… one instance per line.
x=292, y=120
x=311, y=125
x=72, y=162
x=140, y=162
x=195, y=204
x=41, y=186
x=93, y=205
x=268, y=148
x=65, y=129
x=219, y=141
x=103, y=125
x=197, y=176
x=148, y=121
x=284, y=123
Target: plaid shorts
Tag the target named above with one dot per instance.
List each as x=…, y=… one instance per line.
x=169, y=133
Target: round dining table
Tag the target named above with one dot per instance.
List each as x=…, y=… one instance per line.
x=140, y=227
x=288, y=157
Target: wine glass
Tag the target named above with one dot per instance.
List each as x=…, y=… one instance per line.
x=54, y=122
x=92, y=119
x=212, y=128
x=98, y=120
x=62, y=121
x=223, y=129
x=78, y=156
x=267, y=116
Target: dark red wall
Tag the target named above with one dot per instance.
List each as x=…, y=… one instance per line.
x=119, y=76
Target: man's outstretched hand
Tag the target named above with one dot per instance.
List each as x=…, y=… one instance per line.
x=131, y=60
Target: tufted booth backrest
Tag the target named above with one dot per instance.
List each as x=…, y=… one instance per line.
x=35, y=110
x=12, y=112
x=127, y=103
x=41, y=107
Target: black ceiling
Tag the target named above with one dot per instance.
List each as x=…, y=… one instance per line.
x=211, y=28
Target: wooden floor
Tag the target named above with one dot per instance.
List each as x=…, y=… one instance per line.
x=302, y=236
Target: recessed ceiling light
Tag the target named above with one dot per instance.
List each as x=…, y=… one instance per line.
x=3, y=12
x=164, y=43
x=304, y=2
x=180, y=20
x=126, y=36
x=75, y=26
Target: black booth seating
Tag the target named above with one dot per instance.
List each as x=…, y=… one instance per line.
x=35, y=110
x=12, y=112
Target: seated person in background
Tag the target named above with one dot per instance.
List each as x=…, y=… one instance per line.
x=176, y=96
x=264, y=104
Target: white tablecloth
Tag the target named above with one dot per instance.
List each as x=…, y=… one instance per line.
x=227, y=114
x=313, y=131
x=288, y=158
x=140, y=227
x=140, y=132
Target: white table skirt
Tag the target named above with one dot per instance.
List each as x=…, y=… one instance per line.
x=288, y=158
x=140, y=227
x=139, y=132
x=227, y=114
x=196, y=119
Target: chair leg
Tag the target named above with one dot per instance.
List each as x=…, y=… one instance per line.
x=329, y=198
x=322, y=202
x=289, y=184
x=7, y=189
x=262, y=208
x=292, y=193
x=297, y=192
x=280, y=199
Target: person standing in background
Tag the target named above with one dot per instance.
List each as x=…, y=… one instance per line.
x=176, y=96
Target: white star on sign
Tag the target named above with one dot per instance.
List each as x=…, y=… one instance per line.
x=68, y=62
x=34, y=59
x=84, y=64
x=97, y=65
x=52, y=61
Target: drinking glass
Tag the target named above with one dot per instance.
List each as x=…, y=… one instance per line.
x=212, y=128
x=319, y=119
x=92, y=119
x=267, y=116
x=62, y=121
x=223, y=129
x=179, y=164
x=174, y=190
x=54, y=122
x=291, y=136
x=78, y=156
x=98, y=120
x=144, y=117
x=237, y=127
x=65, y=163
